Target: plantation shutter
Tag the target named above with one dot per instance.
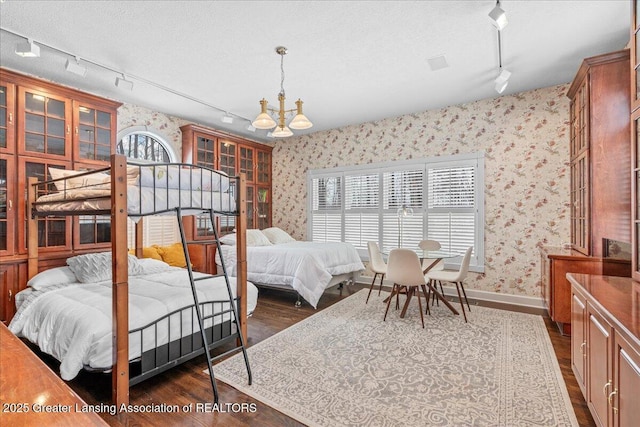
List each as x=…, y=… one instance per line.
x=158, y=230
x=451, y=206
x=326, y=209
x=403, y=208
x=361, y=209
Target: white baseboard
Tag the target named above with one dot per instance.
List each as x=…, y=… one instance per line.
x=519, y=300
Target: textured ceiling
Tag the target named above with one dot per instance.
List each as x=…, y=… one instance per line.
x=350, y=61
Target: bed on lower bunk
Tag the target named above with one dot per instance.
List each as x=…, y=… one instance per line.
x=275, y=259
x=105, y=310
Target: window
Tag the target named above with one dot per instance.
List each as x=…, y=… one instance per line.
x=140, y=144
x=397, y=204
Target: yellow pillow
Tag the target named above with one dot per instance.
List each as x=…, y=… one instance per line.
x=148, y=252
x=173, y=255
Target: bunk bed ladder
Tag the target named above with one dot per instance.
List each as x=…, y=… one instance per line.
x=199, y=314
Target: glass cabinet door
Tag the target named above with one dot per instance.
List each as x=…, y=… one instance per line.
x=205, y=152
x=263, y=208
x=635, y=55
x=247, y=163
x=264, y=167
x=53, y=233
x=7, y=118
x=251, y=207
x=7, y=205
x=92, y=134
x=227, y=156
x=47, y=125
x=635, y=195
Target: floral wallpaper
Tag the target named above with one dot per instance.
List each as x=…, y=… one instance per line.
x=526, y=142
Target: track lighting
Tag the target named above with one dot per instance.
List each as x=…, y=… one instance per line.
x=227, y=118
x=75, y=67
x=498, y=17
x=123, y=83
x=28, y=49
x=502, y=80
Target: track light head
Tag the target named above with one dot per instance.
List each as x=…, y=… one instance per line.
x=123, y=83
x=73, y=66
x=28, y=49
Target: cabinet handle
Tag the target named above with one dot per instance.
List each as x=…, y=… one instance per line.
x=10, y=294
x=10, y=118
x=615, y=410
x=584, y=343
x=76, y=130
x=606, y=386
x=68, y=129
x=10, y=204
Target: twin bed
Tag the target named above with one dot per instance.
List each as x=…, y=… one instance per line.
x=111, y=308
x=100, y=313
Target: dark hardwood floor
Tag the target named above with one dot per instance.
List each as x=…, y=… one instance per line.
x=187, y=384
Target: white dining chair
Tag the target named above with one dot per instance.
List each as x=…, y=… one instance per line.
x=404, y=270
x=430, y=245
x=455, y=277
x=376, y=265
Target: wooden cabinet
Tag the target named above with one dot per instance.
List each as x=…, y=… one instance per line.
x=43, y=126
x=556, y=262
x=605, y=356
x=232, y=155
x=599, y=153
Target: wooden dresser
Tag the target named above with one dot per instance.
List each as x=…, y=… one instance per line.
x=605, y=346
x=31, y=394
x=555, y=263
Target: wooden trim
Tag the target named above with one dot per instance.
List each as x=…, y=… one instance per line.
x=32, y=229
x=10, y=119
x=241, y=265
x=215, y=133
x=56, y=89
x=120, y=289
x=591, y=62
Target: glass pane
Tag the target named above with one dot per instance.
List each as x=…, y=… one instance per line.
x=104, y=119
x=637, y=125
x=34, y=123
x=86, y=133
x=103, y=152
x=3, y=189
x=55, y=146
x=55, y=127
x=104, y=136
x=3, y=95
x=3, y=236
x=637, y=83
x=3, y=117
x=34, y=103
x=33, y=142
x=86, y=115
x=55, y=108
x=3, y=138
x=86, y=150
x=56, y=233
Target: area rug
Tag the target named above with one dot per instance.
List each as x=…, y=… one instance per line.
x=344, y=366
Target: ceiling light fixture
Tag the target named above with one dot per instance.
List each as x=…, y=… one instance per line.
x=264, y=119
x=502, y=80
x=75, y=67
x=28, y=49
x=498, y=17
x=227, y=118
x=123, y=83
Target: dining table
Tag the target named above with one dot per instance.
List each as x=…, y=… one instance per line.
x=434, y=257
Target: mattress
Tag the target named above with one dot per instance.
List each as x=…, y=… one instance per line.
x=73, y=322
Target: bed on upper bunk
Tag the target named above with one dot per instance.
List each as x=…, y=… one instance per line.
x=275, y=259
x=102, y=312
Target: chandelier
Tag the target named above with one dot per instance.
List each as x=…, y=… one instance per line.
x=264, y=119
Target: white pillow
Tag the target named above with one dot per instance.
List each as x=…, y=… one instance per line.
x=91, y=268
x=94, y=181
x=256, y=238
x=277, y=235
x=53, y=276
x=228, y=239
x=153, y=266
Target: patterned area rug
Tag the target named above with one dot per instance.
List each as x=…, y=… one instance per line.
x=344, y=366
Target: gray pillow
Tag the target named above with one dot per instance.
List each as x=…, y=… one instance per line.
x=91, y=268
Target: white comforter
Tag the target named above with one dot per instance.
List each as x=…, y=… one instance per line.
x=72, y=322
x=305, y=266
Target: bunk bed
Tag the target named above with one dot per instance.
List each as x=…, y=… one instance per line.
x=137, y=190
